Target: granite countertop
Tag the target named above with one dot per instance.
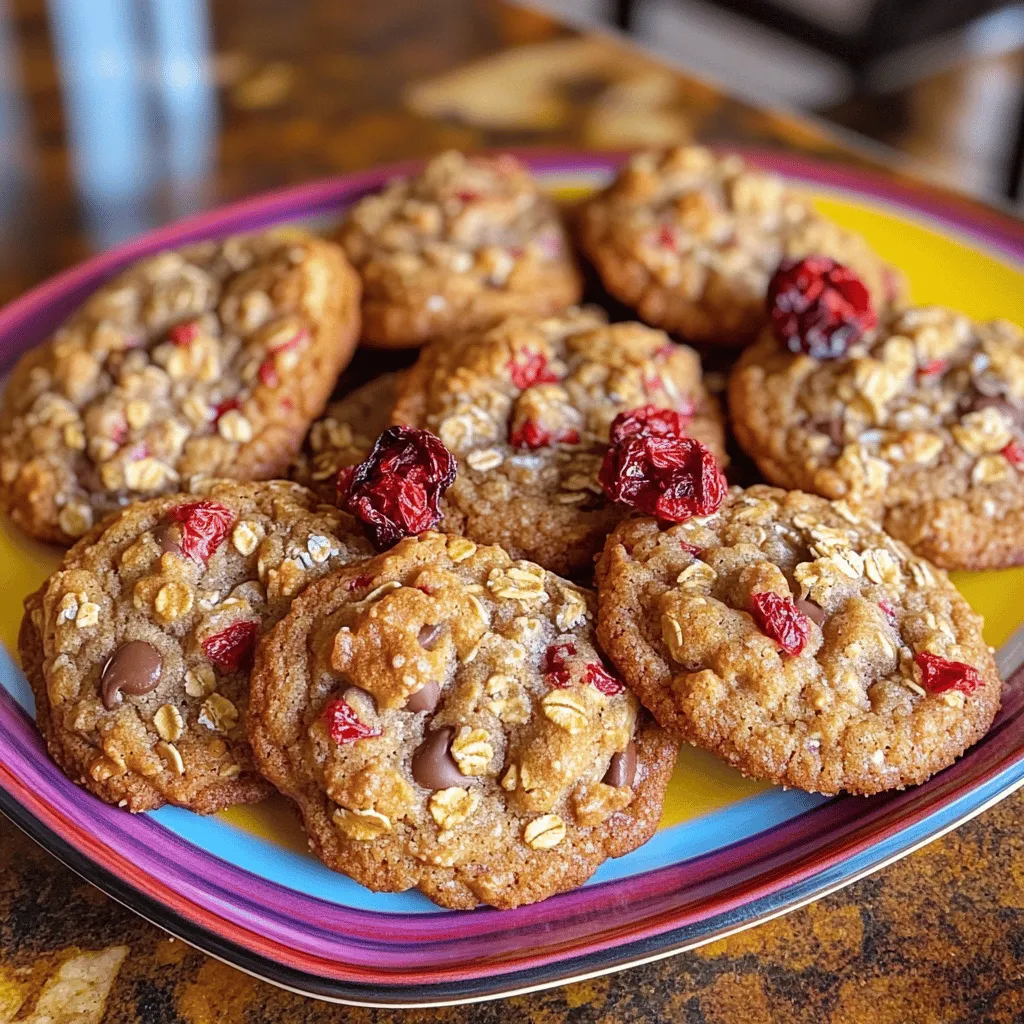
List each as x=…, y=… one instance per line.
x=309, y=88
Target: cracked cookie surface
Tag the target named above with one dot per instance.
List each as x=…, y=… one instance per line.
x=526, y=408
x=467, y=241
x=443, y=720
x=344, y=435
x=921, y=423
x=793, y=638
x=138, y=647
x=211, y=360
x=690, y=240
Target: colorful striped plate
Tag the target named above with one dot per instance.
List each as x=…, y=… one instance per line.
x=730, y=852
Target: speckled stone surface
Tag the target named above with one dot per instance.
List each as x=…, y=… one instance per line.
x=311, y=88
x=937, y=938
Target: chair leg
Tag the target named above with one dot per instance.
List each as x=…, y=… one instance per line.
x=1015, y=171
x=623, y=14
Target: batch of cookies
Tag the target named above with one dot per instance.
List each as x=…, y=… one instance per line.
x=463, y=615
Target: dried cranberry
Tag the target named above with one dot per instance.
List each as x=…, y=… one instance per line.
x=818, y=306
x=466, y=196
x=183, y=334
x=267, y=372
x=650, y=421
x=359, y=582
x=232, y=647
x=119, y=432
x=343, y=724
x=692, y=549
x=226, y=406
x=602, y=680
x=529, y=368
x=667, y=237
x=932, y=368
x=672, y=478
x=890, y=613
x=779, y=618
x=204, y=525
x=532, y=435
x=396, y=491
x=553, y=667
x=1014, y=454
x=939, y=675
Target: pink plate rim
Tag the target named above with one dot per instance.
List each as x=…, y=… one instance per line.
x=369, y=958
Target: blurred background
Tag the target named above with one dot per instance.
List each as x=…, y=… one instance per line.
x=116, y=115
x=941, y=79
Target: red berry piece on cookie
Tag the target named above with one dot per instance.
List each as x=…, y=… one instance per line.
x=396, y=491
x=819, y=307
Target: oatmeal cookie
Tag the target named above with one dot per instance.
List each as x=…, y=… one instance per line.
x=469, y=240
x=443, y=720
x=796, y=640
x=690, y=240
x=344, y=435
x=526, y=409
x=211, y=360
x=138, y=647
x=921, y=423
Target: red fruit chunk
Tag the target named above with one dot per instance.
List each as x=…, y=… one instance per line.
x=343, y=724
x=672, y=478
x=396, y=490
x=529, y=368
x=359, y=582
x=1014, y=454
x=232, y=647
x=204, y=525
x=939, y=675
x=779, y=618
x=604, y=681
x=267, y=372
x=183, y=334
x=226, y=406
x=693, y=549
x=650, y=421
x=554, y=667
x=932, y=367
x=890, y=613
x=119, y=432
x=532, y=435
x=344, y=482
x=818, y=306
x=465, y=196
x=667, y=237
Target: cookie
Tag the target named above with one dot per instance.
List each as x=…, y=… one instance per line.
x=794, y=639
x=211, y=360
x=690, y=239
x=526, y=409
x=344, y=435
x=138, y=647
x=920, y=422
x=467, y=241
x=443, y=720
